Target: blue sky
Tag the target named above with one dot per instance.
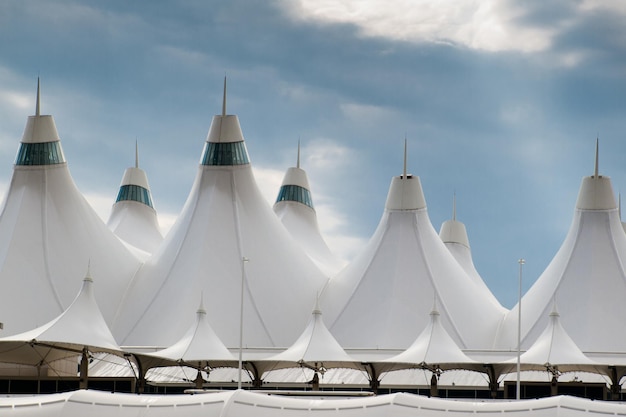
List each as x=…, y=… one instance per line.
x=500, y=101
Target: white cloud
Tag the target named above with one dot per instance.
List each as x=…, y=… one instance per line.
x=478, y=24
x=604, y=5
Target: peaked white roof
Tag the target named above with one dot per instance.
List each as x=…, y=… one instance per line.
x=80, y=325
x=433, y=348
x=48, y=232
x=133, y=217
x=198, y=344
x=586, y=275
x=225, y=231
x=554, y=348
x=382, y=299
x=294, y=208
x=316, y=348
x=453, y=233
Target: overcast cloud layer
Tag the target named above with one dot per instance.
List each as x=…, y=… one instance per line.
x=500, y=101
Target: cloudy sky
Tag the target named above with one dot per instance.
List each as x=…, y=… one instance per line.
x=500, y=101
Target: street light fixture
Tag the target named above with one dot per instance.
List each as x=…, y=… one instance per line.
x=243, y=280
x=521, y=262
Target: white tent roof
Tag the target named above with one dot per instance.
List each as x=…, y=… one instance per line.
x=555, y=350
x=48, y=232
x=80, y=325
x=453, y=233
x=382, y=299
x=433, y=348
x=199, y=344
x=133, y=217
x=586, y=277
x=226, y=231
x=316, y=348
x=294, y=208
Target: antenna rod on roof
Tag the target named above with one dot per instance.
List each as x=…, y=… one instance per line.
x=298, y=160
x=136, y=154
x=454, y=206
x=404, y=170
x=224, y=99
x=595, y=173
x=38, y=99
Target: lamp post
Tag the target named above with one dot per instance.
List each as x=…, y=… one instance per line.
x=243, y=280
x=521, y=262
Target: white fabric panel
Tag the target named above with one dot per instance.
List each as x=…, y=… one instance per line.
x=244, y=404
x=301, y=222
x=388, y=291
x=48, y=236
x=136, y=224
x=224, y=219
x=587, y=280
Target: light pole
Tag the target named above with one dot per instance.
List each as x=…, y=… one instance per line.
x=243, y=280
x=521, y=262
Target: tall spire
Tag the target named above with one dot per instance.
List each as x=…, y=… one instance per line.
x=136, y=154
x=404, y=170
x=595, y=172
x=298, y=160
x=224, y=99
x=37, y=108
x=454, y=206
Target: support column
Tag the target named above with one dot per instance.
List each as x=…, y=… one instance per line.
x=434, y=390
x=84, y=369
x=493, y=381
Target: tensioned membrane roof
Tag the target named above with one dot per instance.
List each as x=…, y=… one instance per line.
x=586, y=278
x=294, y=208
x=225, y=233
x=383, y=297
x=48, y=235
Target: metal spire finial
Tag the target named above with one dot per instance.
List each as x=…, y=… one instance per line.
x=298, y=160
x=454, y=206
x=404, y=170
x=224, y=99
x=595, y=172
x=38, y=99
x=136, y=154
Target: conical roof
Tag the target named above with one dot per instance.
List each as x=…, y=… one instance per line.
x=49, y=232
x=433, y=347
x=382, y=299
x=225, y=233
x=453, y=233
x=316, y=348
x=199, y=345
x=294, y=208
x=586, y=275
x=80, y=325
x=133, y=217
x=555, y=348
